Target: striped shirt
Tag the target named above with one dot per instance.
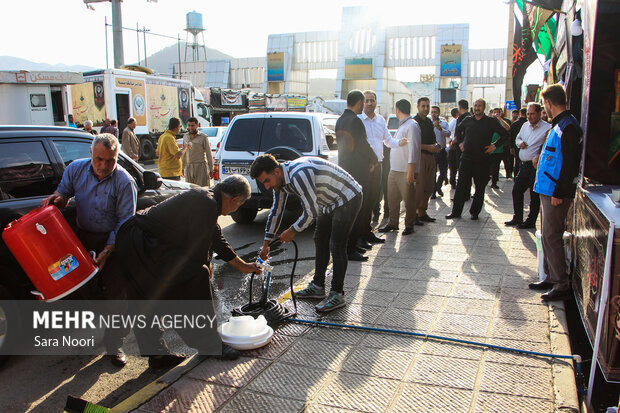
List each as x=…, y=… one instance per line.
x=320, y=185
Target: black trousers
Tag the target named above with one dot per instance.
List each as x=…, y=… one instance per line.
x=478, y=171
x=496, y=160
x=454, y=158
x=509, y=162
x=330, y=236
x=442, y=165
x=105, y=285
x=362, y=227
x=524, y=181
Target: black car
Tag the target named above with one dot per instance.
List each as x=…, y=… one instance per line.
x=32, y=161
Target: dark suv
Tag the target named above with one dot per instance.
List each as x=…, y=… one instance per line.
x=32, y=161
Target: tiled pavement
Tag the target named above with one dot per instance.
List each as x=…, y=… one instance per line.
x=463, y=279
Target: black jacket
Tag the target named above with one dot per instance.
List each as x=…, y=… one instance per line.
x=354, y=153
x=478, y=133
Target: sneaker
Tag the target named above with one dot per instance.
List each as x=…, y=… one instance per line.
x=311, y=291
x=333, y=301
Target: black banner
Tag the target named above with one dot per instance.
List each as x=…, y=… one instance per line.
x=523, y=54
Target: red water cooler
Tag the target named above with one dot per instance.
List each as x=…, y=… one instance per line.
x=49, y=252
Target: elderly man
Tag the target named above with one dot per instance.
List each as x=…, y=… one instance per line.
x=474, y=136
x=328, y=194
x=529, y=140
x=377, y=134
x=105, y=197
x=198, y=160
x=556, y=183
x=167, y=252
x=170, y=166
x=88, y=127
x=130, y=143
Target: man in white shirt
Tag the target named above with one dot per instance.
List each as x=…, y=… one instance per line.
x=442, y=131
x=404, y=165
x=377, y=133
x=529, y=141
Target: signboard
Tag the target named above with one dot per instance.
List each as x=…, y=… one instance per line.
x=275, y=67
x=510, y=105
x=88, y=102
x=163, y=104
x=276, y=103
x=450, y=60
x=138, y=100
x=358, y=68
x=297, y=104
x=48, y=78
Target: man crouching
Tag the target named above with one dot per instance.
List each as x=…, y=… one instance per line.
x=327, y=193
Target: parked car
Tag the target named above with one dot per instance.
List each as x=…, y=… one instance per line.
x=286, y=135
x=215, y=134
x=392, y=124
x=32, y=161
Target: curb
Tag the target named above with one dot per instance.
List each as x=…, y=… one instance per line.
x=153, y=389
x=564, y=386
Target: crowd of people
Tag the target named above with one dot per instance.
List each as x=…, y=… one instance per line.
x=167, y=249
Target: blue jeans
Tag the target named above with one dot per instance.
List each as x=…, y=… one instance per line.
x=330, y=236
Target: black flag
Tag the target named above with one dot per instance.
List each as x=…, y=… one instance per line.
x=523, y=54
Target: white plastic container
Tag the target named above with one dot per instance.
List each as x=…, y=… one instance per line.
x=541, y=267
x=246, y=333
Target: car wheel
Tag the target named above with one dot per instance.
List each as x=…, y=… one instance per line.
x=9, y=320
x=244, y=215
x=147, y=150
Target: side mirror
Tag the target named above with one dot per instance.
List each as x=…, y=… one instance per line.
x=152, y=180
x=331, y=142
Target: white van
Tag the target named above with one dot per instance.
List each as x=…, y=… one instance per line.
x=286, y=135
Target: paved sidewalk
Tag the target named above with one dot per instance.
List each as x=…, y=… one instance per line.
x=455, y=278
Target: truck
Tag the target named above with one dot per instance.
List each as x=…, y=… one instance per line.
x=136, y=92
x=35, y=97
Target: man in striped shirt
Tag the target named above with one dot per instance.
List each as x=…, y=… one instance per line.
x=328, y=194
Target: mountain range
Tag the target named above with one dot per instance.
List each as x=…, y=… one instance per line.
x=160, y=62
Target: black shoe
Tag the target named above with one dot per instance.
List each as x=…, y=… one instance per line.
x=117, y=357
x=356, y=256
x=433, y=196
x=388, y=228
x=426, y=218
x=418, y=222
x=474, y=217
x=452, y=216
x=541, y=286
x=526, y=225
x=165, y=361
x=408, y=231
x=360, y=249
x=494, y=186
x=373, y=239
x=439, y=192
x=555, y=295
x=228, y=353
x=364, y=244
x=513, y=222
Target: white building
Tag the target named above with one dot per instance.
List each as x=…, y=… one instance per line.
x=363, y=54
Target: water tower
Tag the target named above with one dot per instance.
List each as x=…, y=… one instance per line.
x=194, y=27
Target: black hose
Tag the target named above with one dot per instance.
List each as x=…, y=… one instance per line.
x=273, y=311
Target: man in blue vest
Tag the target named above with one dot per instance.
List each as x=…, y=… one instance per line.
x=556, y=182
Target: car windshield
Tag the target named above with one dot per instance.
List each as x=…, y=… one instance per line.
x=257, y=134
x=393, y=123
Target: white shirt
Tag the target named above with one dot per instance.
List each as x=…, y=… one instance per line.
x=402, y=156
x=441, y=135
x=534, y=137
x=377, y=132
x=452, y=128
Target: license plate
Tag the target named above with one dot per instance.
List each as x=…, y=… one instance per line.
x=243, y=170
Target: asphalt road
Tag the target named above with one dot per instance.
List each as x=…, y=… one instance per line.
x=42, y=383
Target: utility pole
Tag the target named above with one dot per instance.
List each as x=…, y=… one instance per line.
x=117, y=34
